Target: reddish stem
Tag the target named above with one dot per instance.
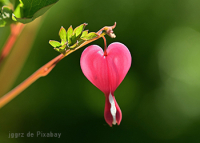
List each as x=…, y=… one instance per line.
x=105, y=46
x=15, y=31
x=43, y=71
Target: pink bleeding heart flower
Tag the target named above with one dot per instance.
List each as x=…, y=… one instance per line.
x=106, y=72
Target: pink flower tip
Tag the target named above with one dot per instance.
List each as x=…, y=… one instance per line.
x=112, y=112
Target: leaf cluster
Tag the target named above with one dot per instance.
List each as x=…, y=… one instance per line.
x=71, y=39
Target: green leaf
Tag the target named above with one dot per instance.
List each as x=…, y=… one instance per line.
x=73, y=46
x=73, y=40
x=62, y=49
x=5, y=16
x=63, y=35
x=84, y=33
x=55, y=44
x=69, y=34
x=89, y=36
x=78, y=30
x=77, y=44
x=77, y=34
x=31, y=9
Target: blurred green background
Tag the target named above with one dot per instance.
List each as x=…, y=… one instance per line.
x=159, y=97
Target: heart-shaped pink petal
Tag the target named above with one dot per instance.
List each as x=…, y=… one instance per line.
x=106, y=72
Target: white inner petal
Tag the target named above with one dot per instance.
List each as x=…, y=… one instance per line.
x=113, y=109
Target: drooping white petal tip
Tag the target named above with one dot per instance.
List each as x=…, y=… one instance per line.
x=113, y=109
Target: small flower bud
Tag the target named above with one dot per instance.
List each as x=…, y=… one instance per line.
x=109, y=30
